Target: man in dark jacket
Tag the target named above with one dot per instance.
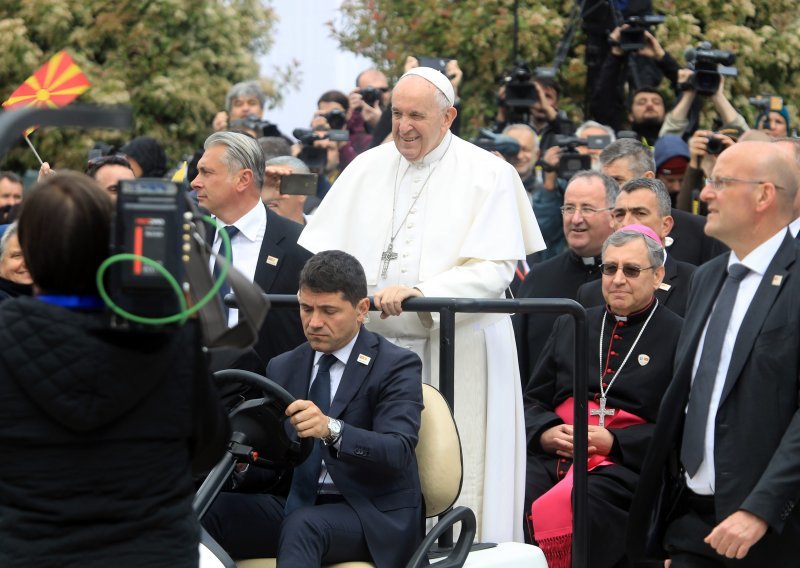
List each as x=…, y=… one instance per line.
x=357, y=496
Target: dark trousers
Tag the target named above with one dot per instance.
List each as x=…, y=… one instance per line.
x=695, y=518
x=254, y=526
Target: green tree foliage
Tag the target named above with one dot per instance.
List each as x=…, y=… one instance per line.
x=172, y=61
x=764, y=34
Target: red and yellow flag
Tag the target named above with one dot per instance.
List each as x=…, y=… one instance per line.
x=55, y=84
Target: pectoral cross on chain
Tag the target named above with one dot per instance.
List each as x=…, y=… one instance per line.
x=387, y=256
x=602, y=412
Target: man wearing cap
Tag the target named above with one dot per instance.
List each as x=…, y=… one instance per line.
x=671, y=154
x=432, y=215
x=636, y=339
x=646, y=202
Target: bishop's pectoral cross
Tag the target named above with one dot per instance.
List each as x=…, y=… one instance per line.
x=387, y=256
x=602, y=412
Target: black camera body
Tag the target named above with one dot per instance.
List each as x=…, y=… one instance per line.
x=520, y=92
x=370, y=95
x=317, y=158
x=336, y=119
x=709, y=65
x=714, y=147
x=260, y=127
x=632, y=37
x=149, y=222
x=493, y=142
x=571, y=161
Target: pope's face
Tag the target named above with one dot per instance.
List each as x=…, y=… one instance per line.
x=418, y=124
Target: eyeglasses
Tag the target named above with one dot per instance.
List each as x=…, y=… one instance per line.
x=720, y=183
x=586, y=211
x=629, y=270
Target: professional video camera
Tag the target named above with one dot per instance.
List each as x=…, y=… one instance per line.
x=520, y=92
x=708, y=65
x=260, y=127
x=632, y=37
x=488, y=140
x=571, y=161
x=316, y=158
x=159, y=267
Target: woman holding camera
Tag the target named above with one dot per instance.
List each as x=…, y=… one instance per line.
x=101, y=429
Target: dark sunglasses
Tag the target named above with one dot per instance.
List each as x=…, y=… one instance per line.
x=628, y=270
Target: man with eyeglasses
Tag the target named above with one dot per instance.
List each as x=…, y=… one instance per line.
x=646, y=202
x=587, y=223
x=636, y=338
x=627, y=159
x=725, y=450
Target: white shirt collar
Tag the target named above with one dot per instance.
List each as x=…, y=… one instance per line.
x=251, y=222
x=343, y=354
x=794, y=227
x=759, y=258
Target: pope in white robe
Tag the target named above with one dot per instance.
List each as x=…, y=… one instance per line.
x=434, y=215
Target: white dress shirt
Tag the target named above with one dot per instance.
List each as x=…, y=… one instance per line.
x=703, y=482
x=336, y=371
x=246, y=246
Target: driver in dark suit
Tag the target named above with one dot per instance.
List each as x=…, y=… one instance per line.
x=357, y=497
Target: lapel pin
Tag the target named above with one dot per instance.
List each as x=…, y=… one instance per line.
x=668, y=242
x=272, y=261
x=664, y=286
x=363, y=359
x=777, y=279
x=644, y=359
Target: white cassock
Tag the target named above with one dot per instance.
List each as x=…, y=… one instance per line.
x=461, y=220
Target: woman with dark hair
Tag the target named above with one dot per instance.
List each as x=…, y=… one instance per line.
x=101, y=430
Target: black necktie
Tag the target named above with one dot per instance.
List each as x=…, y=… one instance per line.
x=306, y=476
x=225, y=288
x=694, y=429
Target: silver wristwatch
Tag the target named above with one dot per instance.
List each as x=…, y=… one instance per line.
x=335, y=427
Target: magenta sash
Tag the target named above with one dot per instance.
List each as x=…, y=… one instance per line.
x=551, y=514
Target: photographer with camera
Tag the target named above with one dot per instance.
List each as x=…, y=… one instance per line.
x=774, y=122
x=243, y=100
x=637, y=57
x=678, y=120
x=532, y=101
x=103, y=428
x=367, y=103
x=704, y=147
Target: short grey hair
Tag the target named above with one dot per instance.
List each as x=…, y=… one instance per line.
x=527, y=128
x=640, y=160
x=274, y=146
x=245, y=89
x=656, y=186
x=609, y=183
x=298, y=166
x=241, y=152
x=655, y=252
x=594, y=124
x=11, y=231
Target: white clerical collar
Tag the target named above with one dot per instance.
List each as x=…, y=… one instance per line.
x=759, y=258
x=436, y=154
x=342, y=354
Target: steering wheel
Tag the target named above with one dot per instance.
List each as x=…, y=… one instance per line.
x=261, y=423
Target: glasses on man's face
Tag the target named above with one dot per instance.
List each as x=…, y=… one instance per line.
x=720, y=183
x=629, y=270
x=586, y=211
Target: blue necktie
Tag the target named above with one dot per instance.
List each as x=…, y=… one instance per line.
x=694, y=429
x=225, y=288
x=306, y=476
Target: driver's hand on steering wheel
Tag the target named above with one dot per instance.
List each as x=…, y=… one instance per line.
x=307, y=419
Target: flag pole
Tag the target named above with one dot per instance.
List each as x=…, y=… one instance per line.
x=35, y=153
